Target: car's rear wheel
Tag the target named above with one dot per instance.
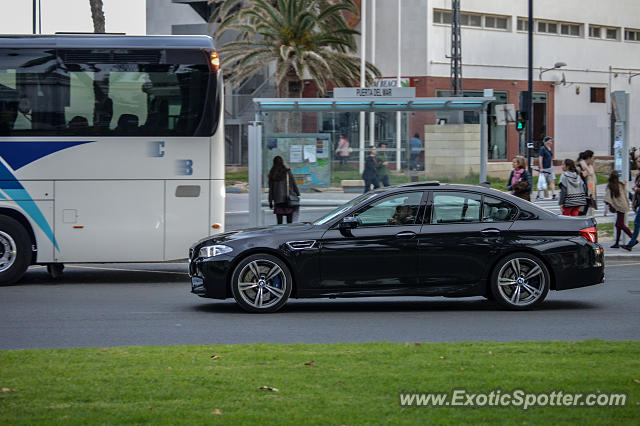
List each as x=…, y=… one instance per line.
x=261, y=283
x=520, y=281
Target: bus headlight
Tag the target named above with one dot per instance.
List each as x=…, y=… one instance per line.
x=215, y=250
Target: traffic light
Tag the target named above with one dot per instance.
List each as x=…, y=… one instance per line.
x=521, y=122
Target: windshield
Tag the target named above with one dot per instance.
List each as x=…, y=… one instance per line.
x=343, y=208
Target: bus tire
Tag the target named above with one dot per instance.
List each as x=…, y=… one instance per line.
x=15, y=250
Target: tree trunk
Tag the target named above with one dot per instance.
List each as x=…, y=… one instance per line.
x=289, y=87
x=97, y=15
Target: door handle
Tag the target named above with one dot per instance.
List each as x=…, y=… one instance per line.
x=490, y=231
x=406, y=235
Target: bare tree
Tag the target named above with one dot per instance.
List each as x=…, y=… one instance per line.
x=97, y=15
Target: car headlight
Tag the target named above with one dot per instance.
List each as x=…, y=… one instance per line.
x=215, y=250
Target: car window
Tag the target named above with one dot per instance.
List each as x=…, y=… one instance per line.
x=398, y=209
x=451, y=207
x=496, y=210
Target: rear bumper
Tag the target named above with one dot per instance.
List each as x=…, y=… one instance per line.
x=579, y=268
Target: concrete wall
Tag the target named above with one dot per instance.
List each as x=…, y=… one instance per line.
x=452, y=151
x=162, y=15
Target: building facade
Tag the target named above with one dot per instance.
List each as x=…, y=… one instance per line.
x=598, y=41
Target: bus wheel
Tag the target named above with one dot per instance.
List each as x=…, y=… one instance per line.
x=15, y=250
x=55, y=270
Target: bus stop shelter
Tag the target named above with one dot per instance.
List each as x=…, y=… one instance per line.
x=375, y=104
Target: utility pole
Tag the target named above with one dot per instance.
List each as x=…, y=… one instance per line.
x=456, y=50
x=529, y=100
x=34, y=16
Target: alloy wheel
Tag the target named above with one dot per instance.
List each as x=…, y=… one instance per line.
x=521, y=281
x=262, y=284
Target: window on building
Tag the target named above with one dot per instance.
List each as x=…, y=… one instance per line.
x=542, y=27
x=437, y=17
x=570, y=29
x=496, y=22
x=552, y=28
x=470, y=20
x=523, y=24
x=595, y=32
x=632, y=35
x=598, y=95
x=611, y=34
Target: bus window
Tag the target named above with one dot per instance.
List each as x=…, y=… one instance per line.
x=105, y=92
x=30, y=92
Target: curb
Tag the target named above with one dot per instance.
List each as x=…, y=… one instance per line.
x=631, y=257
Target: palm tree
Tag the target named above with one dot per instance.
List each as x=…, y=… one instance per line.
x=303, y=38
x=97, y=15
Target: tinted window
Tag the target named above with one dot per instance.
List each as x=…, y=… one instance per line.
x=495, y=210
x=451, y=207
x=399, y=209
x=105, y=92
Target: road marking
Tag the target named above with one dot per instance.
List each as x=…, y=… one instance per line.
x=623, y=264
x=124, y=269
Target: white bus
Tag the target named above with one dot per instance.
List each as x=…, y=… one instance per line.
x=111, y=149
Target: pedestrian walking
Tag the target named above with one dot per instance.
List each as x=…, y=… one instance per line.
x=370, y=175
x=343, y=150
x=545, y=163
x=415, y=147
x=635, y=205
x=284, y=196
x=618, y=201
x=573, y=191
x=520, y=181
x=381, y=165
x=585, y=168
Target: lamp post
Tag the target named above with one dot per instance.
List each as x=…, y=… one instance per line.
x=555, y=67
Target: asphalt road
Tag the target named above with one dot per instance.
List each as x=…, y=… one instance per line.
x=112, y=305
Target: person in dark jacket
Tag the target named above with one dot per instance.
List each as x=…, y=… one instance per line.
x=518, y=178
x=370, y=174
x=281, y=185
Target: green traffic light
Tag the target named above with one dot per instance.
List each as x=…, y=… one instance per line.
x=520, y=125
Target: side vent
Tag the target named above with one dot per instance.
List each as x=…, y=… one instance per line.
x=301, y=245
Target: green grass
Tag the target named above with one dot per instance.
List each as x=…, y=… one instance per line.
x=605, y=230
x=348, y=383
x=236, y=177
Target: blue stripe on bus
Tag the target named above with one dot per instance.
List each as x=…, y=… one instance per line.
x=14, y=189
x=19, y=154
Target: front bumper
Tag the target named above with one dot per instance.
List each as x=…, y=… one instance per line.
x=209, y=277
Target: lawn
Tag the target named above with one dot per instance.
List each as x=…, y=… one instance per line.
x=316, y=384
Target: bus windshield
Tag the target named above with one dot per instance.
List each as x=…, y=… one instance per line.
x=106, y=92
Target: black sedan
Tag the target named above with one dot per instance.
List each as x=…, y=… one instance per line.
x=419, y=239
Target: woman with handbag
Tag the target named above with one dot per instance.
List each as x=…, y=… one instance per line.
x=635, y=205
x=284, y=196
x=588, y=174
x=520, y=181
x=618, y=201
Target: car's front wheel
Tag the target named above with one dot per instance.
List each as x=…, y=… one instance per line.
x=520, y=281
x=261, y=283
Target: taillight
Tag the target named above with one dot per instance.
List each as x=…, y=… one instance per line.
x=214, y=61
x=590, y=234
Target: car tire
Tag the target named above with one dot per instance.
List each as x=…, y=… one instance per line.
x=520, y=281
x=261, y=283
x=15, y=250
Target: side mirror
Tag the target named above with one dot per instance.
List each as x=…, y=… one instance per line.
x=349, y=222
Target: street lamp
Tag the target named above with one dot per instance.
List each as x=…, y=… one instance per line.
x=555, y=66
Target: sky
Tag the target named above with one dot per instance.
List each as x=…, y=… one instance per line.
x=121, y=16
